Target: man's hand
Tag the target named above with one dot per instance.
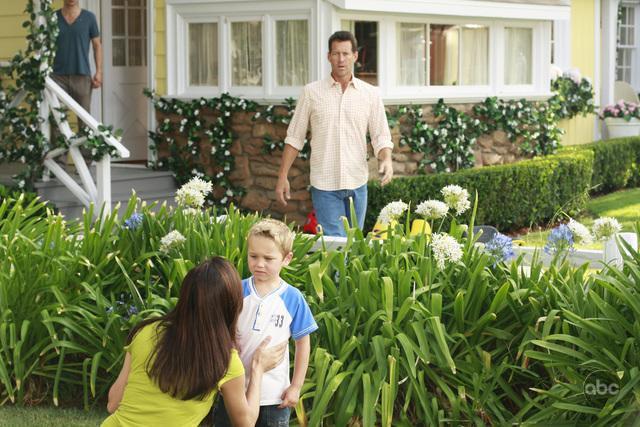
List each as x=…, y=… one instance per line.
x=385, y=170
x=96, y=81
x=290, y=397
x=283, y=190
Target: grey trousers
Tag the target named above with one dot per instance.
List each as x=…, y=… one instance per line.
x=78, y=87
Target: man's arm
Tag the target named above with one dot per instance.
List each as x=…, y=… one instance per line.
x=386, y=166
x=381, y=139
x=291, y=395
x=96, y=82
x=283, y=190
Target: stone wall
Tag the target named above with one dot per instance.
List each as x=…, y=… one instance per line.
x=257, y=172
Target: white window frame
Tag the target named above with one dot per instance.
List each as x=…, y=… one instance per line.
x=181, y=13
x=392, y=93
x=634, y=64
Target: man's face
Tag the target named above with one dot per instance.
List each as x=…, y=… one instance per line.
x=70, y=3
x=342, y=59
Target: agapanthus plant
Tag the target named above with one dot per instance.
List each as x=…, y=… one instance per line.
x=392, y=211
x=560, y=240
x=172, y=240
x=445, y=249
x=605, y=228
x=457, y=198
x=500, y=248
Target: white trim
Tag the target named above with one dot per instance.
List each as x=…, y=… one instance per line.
x=486, y=9
x=562, y=43
x=151, y=71
x=597, y=128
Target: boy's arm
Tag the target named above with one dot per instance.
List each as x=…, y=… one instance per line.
x=291, y=395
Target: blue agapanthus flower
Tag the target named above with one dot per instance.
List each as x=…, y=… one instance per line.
x=500, y=247
x=132, y=310
x=560, y=239
x=134, y=221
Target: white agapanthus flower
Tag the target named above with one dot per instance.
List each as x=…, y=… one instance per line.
x=171, y=240
x=456, y=197
x=580, y=233
x=445, y=249
x=432, y=209
x=392, y=212
x=199, y=184
x=605, y=227
x=189, y=197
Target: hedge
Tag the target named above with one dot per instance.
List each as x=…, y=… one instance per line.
x=616, y=163
x=510, y=196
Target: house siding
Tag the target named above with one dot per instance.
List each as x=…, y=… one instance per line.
x=160, y=48
x=580, y=130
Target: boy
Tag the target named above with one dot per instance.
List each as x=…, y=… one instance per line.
x=272, y=307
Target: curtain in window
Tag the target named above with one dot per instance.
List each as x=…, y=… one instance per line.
x=443, y=55
x=203, y=54
x=518, y=55
x=452, y=43
x=246, y=53
x=475, y=55
x=292, y=50
x=412, y=50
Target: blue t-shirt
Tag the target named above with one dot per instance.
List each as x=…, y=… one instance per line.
x=72, y=45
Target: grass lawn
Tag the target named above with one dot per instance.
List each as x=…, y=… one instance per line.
x=11, y=416
x=623, y=205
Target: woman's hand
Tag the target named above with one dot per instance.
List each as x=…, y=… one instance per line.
x=265, y=359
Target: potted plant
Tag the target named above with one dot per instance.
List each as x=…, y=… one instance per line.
x=622, y=119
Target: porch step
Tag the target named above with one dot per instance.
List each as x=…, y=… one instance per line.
x=148, y=184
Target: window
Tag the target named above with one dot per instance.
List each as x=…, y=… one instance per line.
x=457, y=55
x=518, y=65
x=246, y=53
x=366, y=33
x=129, y=29
x=292, y=51
x=203, y=54
x=626, y=43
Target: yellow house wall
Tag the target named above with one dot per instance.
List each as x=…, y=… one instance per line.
x=160, y=48
x=579, y=130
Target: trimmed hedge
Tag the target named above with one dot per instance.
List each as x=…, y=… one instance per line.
x=616, y=163
x=510, y=196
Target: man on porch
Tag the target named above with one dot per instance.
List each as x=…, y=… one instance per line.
x=71, y=69
x=340, y=110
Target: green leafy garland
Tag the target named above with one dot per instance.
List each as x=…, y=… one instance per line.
x=208, y=141
x=22, y=140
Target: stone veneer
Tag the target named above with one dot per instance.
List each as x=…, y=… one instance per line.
x=257, y=172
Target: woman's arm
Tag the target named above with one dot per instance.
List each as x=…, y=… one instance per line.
x=117, y=389
x=243, y=409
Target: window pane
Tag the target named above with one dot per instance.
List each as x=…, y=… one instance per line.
x=203, y=54
x=474, y=55
x=136, y=53
x=366, y=33
x=517, y=61
x=412, y=52
x=117, y=3
x=135, y=22
x=292, y=50
x=246, y=53
x=119, y=53
x=443, y=53
x=135, y=3
x=117, y=18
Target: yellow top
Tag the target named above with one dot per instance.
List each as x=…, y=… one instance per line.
x=144, y=404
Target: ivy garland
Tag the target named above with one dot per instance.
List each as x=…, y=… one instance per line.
x=22, y=140
x=208, y=141
x=271, y=114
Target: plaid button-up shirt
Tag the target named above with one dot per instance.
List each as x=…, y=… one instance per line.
x=339, y=124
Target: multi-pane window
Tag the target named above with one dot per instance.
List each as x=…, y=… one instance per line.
x=203, y=54
x=442, y=55
x=246, y=53
x=366, y=33
x=129, y=31
x=518, y=60
x=626, y=43
x=292, y=52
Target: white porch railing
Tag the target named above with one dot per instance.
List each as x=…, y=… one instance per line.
x=98, y=192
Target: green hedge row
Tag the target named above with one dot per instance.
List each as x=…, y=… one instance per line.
x=616, y=163
x=510, y=196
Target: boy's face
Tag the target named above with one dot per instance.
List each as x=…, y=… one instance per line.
x=265, y=260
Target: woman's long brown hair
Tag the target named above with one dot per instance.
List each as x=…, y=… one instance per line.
x=195, y=339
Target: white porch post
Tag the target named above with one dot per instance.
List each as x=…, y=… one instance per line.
x=103, y=181
x=609, y=27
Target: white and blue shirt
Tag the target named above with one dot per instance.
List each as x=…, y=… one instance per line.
x=281, y=314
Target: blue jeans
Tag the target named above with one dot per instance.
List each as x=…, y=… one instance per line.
x=331, y=206
x=270, y=416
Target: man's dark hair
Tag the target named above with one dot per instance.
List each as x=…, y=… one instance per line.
x=344, y=36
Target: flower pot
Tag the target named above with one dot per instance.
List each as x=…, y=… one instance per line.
x=619, y=127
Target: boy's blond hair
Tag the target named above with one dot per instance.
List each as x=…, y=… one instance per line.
x=276, y=231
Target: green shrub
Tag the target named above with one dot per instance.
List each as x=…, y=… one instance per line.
x=509, y=196
x=616, y=163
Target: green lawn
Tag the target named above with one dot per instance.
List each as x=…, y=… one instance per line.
x=11, y=416
x=623, y=205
